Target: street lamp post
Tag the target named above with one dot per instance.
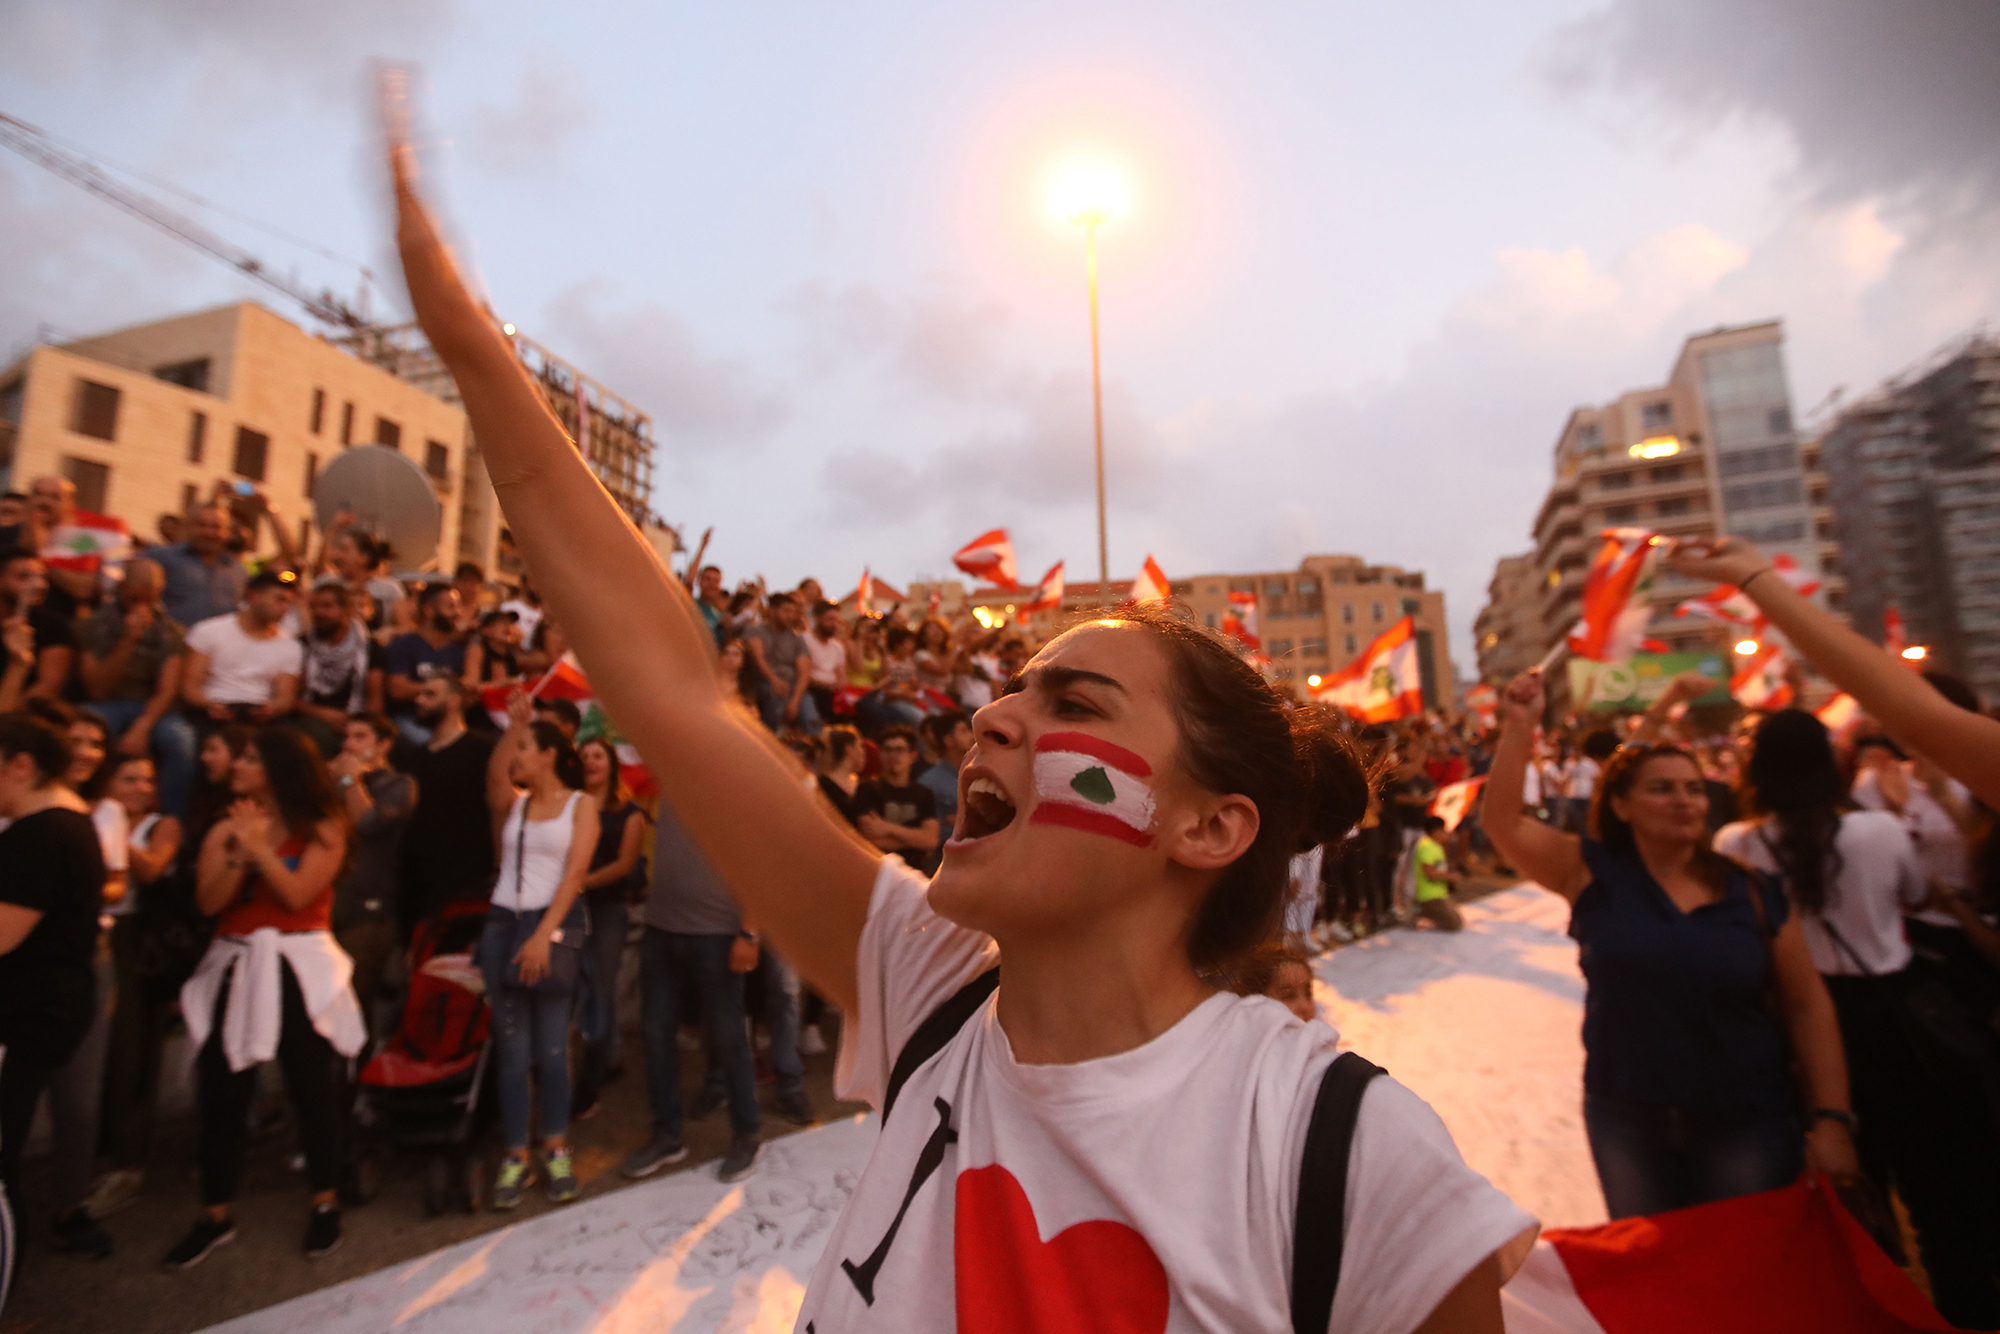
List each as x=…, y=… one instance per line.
x=1090, y=226
x=1089, y=195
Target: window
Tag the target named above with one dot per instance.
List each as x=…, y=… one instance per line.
x=1667, y=472
x=92, y=481
x=318, y=418
x=1310, y=601
x=437, y=462
x=1280, y=647
x=312, y=473
x=251, y=449
x=187, y=374
x=388, y=433
x=1765, y=458
x=346, y=423
x=1590, y=436
x=1211, y=620
x=197, y=436
x=1764, y=495
x=95, y=410
x=1352, y=647
x=1667, y=509
x=1781, y=421
x=1347, y=613
x=1621, y=513
x=1614, y=481
x=1770, y=532
x=1375, y=612
x=1313, y=647
x=189, y=496
x=1657, y=416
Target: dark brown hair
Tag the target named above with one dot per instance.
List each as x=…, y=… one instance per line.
x=1240, y=735
x=1259, y=969
x=1621, y=772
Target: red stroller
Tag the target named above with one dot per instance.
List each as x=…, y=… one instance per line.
x=426, y=1088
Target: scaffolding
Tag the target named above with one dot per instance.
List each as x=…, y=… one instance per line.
x=615, y=437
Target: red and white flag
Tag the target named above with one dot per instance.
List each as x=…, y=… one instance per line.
x=566, y=680
x=1454, y=800
x=864, y=594
x=1789, y=1259
x=1760, y=683
x=1616, y=602
x=1730, y=604
x=1483, y=703
x=990, y=556
x=86, y=544
x=1894, y=637
x=1152, y=584
x=1085, y=782
x=1384, y=683
x=1240, y=621
x=1048, y=594
x=1838, y=712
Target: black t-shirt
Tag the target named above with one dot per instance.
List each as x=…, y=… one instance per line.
x=908, y=806
x=448, y=845
x=1408, y=800
x=838, y=796
x=47, y=986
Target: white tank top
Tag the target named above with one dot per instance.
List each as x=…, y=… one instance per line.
x=531, y=864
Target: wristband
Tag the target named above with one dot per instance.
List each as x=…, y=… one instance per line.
x=1744, y=587
x=1847, y=1119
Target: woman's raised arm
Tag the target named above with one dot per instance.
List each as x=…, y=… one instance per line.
x=636, y=631
x=1547, y=856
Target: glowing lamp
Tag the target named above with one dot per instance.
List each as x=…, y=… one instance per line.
x=1916, y=653
x=1010, y=609
x=1746, y=647
x=1655, y=447
x=1088, y=192
x=1313, y=681
x=507, y=329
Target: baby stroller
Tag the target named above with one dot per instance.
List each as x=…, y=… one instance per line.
x=426, y=1087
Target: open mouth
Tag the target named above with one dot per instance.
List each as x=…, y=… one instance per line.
x=986, y=809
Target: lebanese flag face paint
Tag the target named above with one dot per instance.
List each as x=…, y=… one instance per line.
x=1085, y=782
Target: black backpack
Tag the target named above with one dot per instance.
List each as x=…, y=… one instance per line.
x=1318, y=1229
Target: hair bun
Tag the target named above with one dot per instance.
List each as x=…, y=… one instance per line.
x=1335, y=777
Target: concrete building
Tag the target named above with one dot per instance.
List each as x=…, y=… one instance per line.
x=1713, y=450
x=1912, y=474
x=1313, y=620
x=1507, y=635
x=146, y=420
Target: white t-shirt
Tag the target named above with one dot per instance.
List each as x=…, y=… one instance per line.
x=1160, y=1179
x=829, y=661
x=1302, y=903
x=1583, y=772
x=114, y=840
x=1939, y=842
x=526, y=615
x=242, y=670
x=1879, y=878
x=532, y=862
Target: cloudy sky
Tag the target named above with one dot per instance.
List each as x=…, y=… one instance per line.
x=1374, y=256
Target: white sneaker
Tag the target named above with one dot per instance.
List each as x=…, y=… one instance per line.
x=810, y=1041
x=114, y=1191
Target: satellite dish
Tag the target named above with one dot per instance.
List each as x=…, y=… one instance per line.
x=389, y=497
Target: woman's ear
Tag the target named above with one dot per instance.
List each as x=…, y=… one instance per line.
x=1215, y=833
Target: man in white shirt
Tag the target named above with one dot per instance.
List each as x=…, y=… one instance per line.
x=826, y=649
x=243, y=667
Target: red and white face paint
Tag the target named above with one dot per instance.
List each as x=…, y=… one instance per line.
x=1084, y=782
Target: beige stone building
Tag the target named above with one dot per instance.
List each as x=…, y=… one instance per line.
x=1507, y=635
x=146, y=420
x=1313, y=620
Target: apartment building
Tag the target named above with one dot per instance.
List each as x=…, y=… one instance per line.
x=1507, y=634
x=1712, y=450
x=1912, y=476
x=1313, y=620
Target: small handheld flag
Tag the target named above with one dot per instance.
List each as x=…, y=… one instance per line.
x=990, y=556
x=1048, y=594
x=1152, y=584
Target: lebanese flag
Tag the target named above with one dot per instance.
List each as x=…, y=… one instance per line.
x=566, y=680
x=1383, y=683
x=1615, y=597
x=864, y=594
x=1789, y=1259
x=1731, y=605
x=1085, y=782
x=87, y=544
x=990, y=556
x=1151, y=585
x=1240, y=621
x=1048, y=594
x=1761, y=684
x=1454, y=800
x=1483, y=703
x=1894, y=637
x=1838, y=712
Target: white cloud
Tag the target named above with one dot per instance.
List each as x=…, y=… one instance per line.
x=547, y=112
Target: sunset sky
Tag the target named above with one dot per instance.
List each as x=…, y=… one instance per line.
x=1374, y=255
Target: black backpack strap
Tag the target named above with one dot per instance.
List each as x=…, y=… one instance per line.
x=937, y=1029
x=1319, y=1226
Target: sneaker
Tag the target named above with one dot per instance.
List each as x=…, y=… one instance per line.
x=795, y=1107
x=653, y=1155
x=77, y=1233
x=810, y=1041
x=742, y=1156
x=706, y=1103
x=206, y=1234
x=562, y=1178
x=322, y=1231
x=510, y=1185
x=115, y=1191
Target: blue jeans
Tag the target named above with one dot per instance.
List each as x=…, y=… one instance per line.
x=1652, y=1157
x=530, y=1031
x=665, y=957
x=173, y=742
x=781, y=1016
x=597, y=999
x=877, y=711
x=771, y=708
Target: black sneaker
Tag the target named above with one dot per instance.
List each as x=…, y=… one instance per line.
x=742, y=1156
x=653, y=1155
x=206, y=1234
x=77, y=1233
x=795, y=1107
x=706, y=1103
x=322, y=1231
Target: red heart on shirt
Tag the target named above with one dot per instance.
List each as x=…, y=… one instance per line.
x=1097, y=1277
